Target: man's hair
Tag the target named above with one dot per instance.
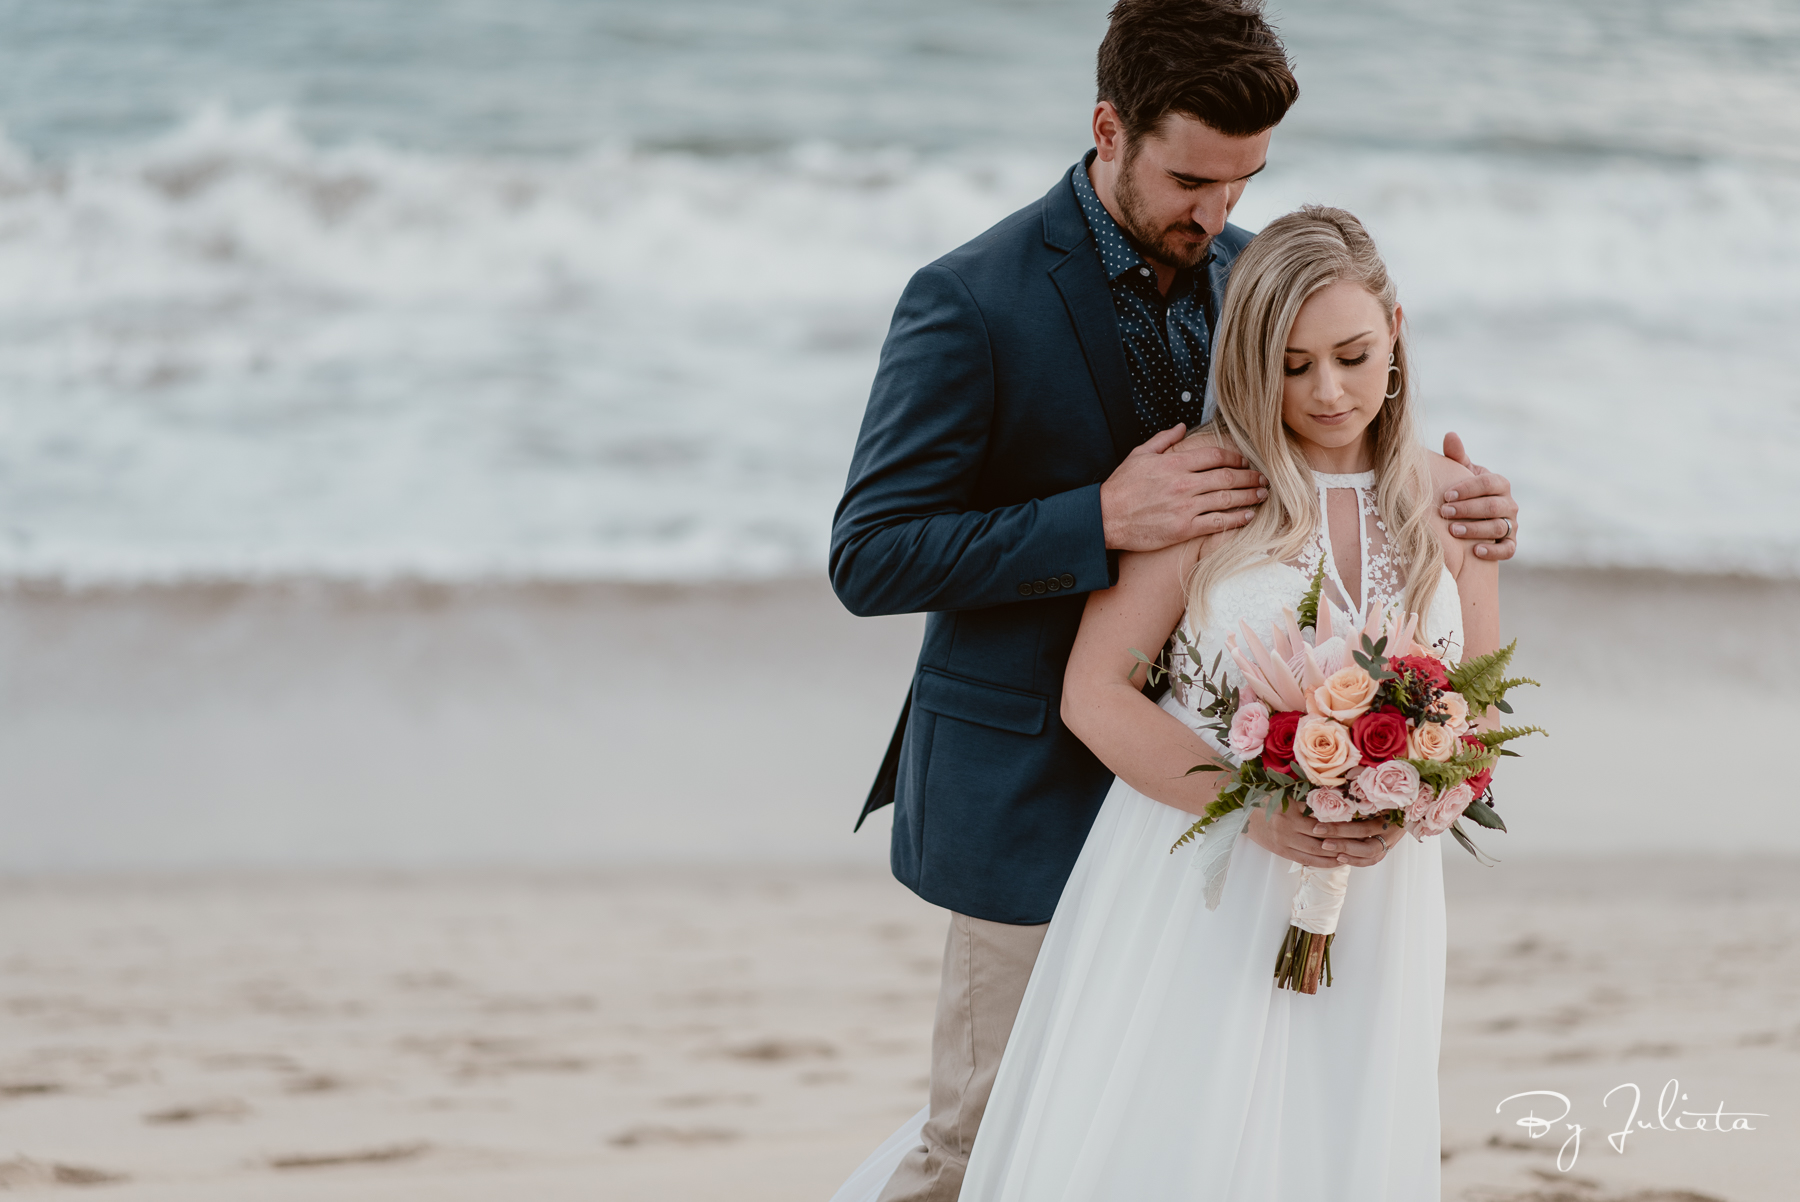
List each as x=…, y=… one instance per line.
x=1214, y=60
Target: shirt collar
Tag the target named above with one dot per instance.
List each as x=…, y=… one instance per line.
x=1118, y=253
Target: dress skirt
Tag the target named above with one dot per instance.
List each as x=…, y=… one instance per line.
x=1154, y=1059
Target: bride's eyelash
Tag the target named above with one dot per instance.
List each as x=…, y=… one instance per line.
x=1360, y=359
x=1296, y=371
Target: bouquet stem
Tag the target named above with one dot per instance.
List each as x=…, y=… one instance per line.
x=1305, y=956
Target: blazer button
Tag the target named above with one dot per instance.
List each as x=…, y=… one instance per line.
x=1054, y=584
x=1038, y=586
x=1024, y=588
x=1068, y=580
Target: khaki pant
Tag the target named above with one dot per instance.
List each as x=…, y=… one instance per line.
x=986, y=967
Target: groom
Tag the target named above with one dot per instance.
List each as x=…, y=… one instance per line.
x=1022, y=430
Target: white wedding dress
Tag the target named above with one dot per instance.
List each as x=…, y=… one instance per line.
x=1153, y=1058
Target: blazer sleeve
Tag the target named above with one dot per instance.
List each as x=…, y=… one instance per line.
x=906, y=537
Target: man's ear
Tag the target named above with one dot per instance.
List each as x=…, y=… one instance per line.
x=1109, y=132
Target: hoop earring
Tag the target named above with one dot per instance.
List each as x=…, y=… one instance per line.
x=1393, y=370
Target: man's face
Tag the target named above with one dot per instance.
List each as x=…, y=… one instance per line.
x=1176, y=185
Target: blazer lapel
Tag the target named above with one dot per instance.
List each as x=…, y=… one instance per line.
x=1082, y=282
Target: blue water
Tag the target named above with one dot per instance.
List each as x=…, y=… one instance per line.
x=549, y=289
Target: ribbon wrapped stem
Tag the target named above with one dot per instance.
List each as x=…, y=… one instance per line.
x=1305, y=955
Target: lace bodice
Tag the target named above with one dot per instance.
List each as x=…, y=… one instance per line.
x=1258, y=594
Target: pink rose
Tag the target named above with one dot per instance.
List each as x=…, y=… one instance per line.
x=1329, y=805
x=1391, y=785
x=1248, y=730
x=1417, y=808
x=1446, y=809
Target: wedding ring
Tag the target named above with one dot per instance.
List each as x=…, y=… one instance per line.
x=1509, y=530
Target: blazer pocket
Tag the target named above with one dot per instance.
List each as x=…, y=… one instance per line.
x=983, y=704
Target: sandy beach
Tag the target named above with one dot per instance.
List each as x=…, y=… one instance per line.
x=732, y=1033
x=432, y=726
x=320, y=892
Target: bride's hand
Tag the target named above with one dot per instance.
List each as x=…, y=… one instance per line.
x=1321, y=844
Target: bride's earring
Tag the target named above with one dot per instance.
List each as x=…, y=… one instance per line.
x=1394, y=378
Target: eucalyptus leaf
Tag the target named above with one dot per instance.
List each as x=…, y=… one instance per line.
x=1463, y=838
x=1481, y=814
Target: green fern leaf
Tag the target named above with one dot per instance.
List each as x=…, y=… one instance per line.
x=1480, y=680
x=1193, y=832
x=1506, y=734
x=1307, y=612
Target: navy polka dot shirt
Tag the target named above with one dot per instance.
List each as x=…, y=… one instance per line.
x=1167, y=345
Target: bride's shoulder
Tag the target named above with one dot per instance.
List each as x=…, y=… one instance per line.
x=1445, y=472
x=1211, y=437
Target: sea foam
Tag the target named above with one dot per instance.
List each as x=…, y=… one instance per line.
x=232, y=352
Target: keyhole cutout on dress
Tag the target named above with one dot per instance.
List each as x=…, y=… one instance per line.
x=1344, y=529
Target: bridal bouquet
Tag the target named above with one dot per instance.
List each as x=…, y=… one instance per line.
x=1370, y=726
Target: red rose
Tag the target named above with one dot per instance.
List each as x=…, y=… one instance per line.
x=1278, y=744
x=1380, y=735
x=1280, y=738
x=1423, y=667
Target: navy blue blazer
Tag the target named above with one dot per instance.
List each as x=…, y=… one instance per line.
x=1001, y=403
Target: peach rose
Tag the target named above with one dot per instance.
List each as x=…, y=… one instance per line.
x=1346, y=695
x=1455, y=710
x=1323, y=750
x=1329, y=805
x=1431, y=741
x=1445, y=810
x=1392, y=785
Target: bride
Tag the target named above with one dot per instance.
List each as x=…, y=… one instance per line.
x=1153, y=1057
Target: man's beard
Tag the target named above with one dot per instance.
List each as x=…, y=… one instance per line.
x=1167, y=245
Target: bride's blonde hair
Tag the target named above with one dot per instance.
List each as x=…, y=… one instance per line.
x=1294, y=257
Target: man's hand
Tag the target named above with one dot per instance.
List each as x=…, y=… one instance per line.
x=1165, y=494
x=1481, y=510
x=1321, y=844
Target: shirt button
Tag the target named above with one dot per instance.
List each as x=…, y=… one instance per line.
x=1143, y=271
x=1187, y=396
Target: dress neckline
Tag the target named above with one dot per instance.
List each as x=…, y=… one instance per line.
x=1347, y=480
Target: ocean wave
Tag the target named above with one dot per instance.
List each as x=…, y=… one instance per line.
x=232, y=352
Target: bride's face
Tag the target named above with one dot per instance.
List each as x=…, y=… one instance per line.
x=1336, y=366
